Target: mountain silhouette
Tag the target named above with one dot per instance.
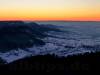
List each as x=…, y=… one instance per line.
x=18, y=34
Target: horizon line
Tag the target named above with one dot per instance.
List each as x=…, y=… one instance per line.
x=54, y=20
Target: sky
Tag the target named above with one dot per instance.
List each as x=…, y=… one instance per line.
x=75, y=10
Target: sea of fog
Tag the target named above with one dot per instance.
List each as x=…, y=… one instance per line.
x=84, y=28
x=75, y=38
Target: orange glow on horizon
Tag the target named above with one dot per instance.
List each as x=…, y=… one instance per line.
x=52, y=19
x=49, y=10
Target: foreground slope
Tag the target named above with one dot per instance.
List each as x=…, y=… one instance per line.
x=88, y=62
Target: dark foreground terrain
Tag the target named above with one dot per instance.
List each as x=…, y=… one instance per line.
x=88, y=62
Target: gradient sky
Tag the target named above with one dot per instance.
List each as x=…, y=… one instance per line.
x=85, y=10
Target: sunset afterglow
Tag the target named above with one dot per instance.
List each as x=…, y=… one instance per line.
x=75, y=10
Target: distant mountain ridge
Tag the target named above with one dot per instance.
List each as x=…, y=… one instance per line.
x=17, y=34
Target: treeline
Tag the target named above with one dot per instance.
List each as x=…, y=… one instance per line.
x=88, y=62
